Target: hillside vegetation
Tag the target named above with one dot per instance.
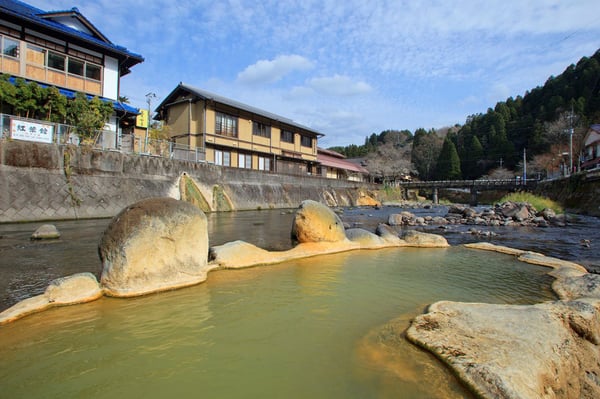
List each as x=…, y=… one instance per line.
x=536, y=124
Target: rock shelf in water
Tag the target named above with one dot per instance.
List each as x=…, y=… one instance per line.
x=547, y=350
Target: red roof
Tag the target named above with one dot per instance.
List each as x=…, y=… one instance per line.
x=334, y=162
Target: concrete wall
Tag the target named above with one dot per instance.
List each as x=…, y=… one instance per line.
x=51, y=182
x=578, y=193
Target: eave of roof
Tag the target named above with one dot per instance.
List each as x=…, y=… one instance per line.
x=334, y=162
x=206, y=95
x=35, y=16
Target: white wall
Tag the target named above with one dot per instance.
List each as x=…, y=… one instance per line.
x=111, y=78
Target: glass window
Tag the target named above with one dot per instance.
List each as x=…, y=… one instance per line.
x=56, y=61
x=10, y=48
x=261, y=129
x=226, y=125
x=226, y=158
x=287, y=136
x=222, y=158
x=245, y=161
x=264, y=163
x=75, y=66
x=306, y=141
x=93, y=72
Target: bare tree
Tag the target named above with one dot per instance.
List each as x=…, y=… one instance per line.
x=390, y=162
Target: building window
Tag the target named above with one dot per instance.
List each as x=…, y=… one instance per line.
x=56, y=61
x=245, y=161
x=222, y=158
x=264, y=163
x=226, y=125
x=260, y=129
x=93, y=72
x=306, y=141
x=76, y=67
x=10, y=47
x=287, y=136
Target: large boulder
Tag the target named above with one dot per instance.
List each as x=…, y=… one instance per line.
x=154, y=245
x=315, y=222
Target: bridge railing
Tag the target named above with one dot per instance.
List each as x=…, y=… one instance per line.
x=469, y=183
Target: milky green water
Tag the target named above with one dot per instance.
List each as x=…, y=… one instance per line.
x=314, y=328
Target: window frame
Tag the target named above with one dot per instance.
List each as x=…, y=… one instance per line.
x=304, y=139
x=15, y=51
x=222, y=158
x=284, y=136
x=226, y=125
x=264, y=163
x=261, y=129
x=56, y=61
x=244, y=161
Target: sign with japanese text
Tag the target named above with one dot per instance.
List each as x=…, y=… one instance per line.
x=31, y=131
x=142, y=119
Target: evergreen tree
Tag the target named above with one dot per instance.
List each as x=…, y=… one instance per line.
x=448, y=165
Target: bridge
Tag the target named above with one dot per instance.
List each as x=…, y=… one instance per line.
x=473, y=185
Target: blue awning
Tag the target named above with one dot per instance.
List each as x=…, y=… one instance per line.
x=117, y=105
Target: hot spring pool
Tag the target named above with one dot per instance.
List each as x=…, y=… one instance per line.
x=311, y=328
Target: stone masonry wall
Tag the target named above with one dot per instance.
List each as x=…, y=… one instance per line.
x=51, y=182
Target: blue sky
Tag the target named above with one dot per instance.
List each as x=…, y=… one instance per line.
x=347, y=68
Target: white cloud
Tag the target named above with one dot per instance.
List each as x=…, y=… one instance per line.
x=339, y=85
x=269, y=71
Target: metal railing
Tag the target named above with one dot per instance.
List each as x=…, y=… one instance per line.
x=19, y=128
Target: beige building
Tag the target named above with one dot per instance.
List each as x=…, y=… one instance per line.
x=238, y=135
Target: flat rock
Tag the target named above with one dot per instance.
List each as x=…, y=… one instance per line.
x=70, y=290
x=415, y=238
x=544, y=351
x=365, y=238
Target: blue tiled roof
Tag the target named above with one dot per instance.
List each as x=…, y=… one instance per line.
x=22, y=11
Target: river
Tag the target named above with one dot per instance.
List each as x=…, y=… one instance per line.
x=26, y=267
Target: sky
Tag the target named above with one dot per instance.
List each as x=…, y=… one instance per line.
x=349, y=68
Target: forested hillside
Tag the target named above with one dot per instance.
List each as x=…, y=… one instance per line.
x=537, y=124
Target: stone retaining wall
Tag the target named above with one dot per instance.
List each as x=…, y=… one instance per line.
x=51, y=182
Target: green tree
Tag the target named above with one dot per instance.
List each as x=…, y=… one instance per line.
x=8, y=93
x=88, y=116
x=55, y=105
x=471, y=161
x=448, y=165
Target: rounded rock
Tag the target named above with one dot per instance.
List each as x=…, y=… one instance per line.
x=46, y=232
x=154, y=245
x=315, y=222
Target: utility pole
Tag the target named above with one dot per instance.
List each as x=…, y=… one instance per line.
x=149, y=98
x=524, y=166
x=501, y=161
x=571, y=141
